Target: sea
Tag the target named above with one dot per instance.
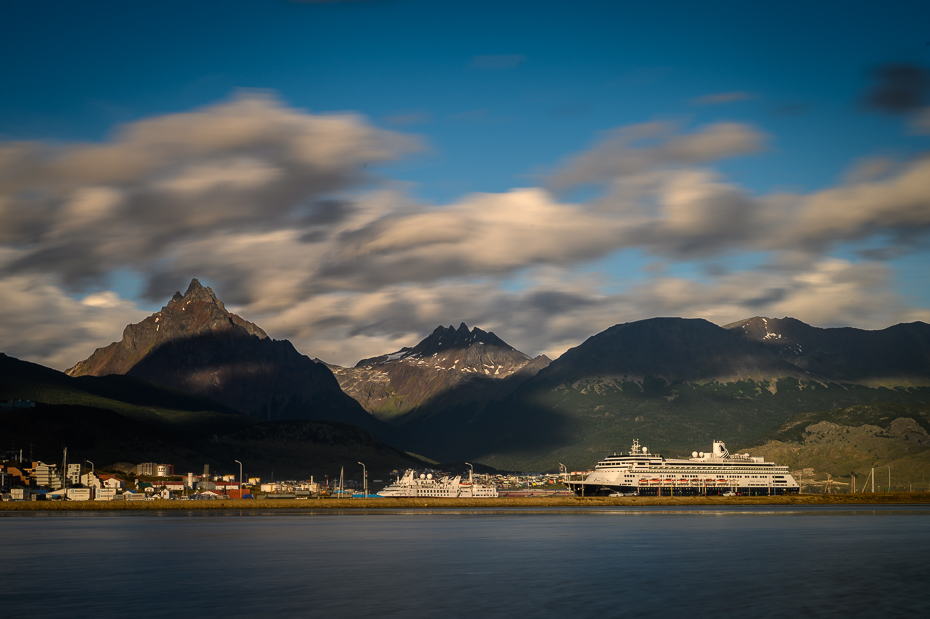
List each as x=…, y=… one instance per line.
x=752, y=561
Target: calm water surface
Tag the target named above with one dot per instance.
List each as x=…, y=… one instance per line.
x=609, y=562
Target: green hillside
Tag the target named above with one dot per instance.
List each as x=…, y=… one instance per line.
x=577, y=423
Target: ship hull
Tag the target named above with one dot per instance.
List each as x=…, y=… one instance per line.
x=581, y=489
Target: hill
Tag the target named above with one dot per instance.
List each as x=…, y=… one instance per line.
x=852, y=441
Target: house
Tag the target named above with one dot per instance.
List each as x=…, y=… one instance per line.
x=112, y=481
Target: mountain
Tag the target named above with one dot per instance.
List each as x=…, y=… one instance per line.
x=195, y=345
x=676, y=384
x=672, y=349
x=896, y=356
x=447, y=361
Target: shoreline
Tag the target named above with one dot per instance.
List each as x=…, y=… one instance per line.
x=436, y=503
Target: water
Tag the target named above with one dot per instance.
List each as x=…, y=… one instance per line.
x=750, y=562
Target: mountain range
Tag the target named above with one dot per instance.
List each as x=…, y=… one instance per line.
x=465, y=394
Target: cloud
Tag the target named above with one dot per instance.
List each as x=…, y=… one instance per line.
x=497, y=62
x=897, y=204
x=278, y=210
x=560, y=309
x=633, y=150
x=248, y=164
x=898, y=88
x=723, y=97
x=44, y=325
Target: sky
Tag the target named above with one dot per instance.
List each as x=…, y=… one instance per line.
x=349, y=175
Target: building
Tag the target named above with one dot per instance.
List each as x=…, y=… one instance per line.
x=47, y=475
x=24, y=494
x=105, y=494
x=146, y=469
x=17, y=404
x=74, y=474
x=112, y=481
x=90, y=480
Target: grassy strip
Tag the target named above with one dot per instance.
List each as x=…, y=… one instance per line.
x=528, y=502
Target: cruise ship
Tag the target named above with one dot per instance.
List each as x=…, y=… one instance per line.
x=715, y=473
x=426, y=486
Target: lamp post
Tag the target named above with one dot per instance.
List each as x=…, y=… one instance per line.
x=471, y=477
x=364, y=480
x=889, y=478
x=240, y=478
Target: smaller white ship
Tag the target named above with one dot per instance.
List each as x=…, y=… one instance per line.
x=426, y=485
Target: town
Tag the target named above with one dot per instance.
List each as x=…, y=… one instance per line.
x=149, y=481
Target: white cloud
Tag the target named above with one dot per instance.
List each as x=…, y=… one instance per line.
x=636, y=149
x=81, y=210
x=274, y=208
x=42, y=324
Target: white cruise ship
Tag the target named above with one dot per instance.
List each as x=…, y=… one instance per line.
x=425, y=485
x=718, y=472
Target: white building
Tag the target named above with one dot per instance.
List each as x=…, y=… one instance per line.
x=115, y=482
x=47, y=475
x=91, y=480
x=74, y=474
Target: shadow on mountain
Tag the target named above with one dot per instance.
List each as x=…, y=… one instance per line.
x=286, y=449
x=140, y=392
x=260, y=377
x=488, y=420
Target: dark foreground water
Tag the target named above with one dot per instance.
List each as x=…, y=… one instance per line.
x=745, y=562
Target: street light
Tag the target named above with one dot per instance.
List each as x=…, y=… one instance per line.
x=471, y=476
x=889, y=478
x=240, y=478
x=364, y=481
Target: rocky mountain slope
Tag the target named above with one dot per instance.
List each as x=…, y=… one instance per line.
x=194, y=344
x=896, y=356
x=446, y=361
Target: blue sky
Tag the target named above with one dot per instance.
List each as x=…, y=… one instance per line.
x=521, y=103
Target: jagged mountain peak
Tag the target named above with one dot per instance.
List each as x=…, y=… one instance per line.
x=443, y=339
x=444, y=360
x=194, y=344
x=193, y=314
x=449, y=343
